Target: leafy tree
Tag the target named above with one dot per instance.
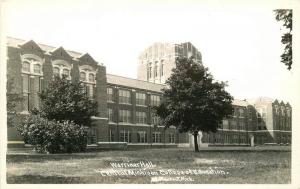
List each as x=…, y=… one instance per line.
x=66, y=100
x=192, y=100
x=286, y=16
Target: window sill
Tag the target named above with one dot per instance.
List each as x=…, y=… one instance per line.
x=141, y=105
x=125, y=103
x=24, y=113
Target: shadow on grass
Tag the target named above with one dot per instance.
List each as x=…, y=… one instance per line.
x=38, y=179
x=45, y=157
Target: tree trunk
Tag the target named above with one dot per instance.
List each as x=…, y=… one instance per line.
x=196, y=141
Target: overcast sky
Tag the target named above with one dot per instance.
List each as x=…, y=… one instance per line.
x=240, y=45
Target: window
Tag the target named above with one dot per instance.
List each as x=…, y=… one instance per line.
x=110, y=95
x=90, y=90
x=32, y=80
x=82, y=76
x=91, y=77
x=87, y=74
x=26, y=67
x=124, y=96
x=92, y=136
x=141, y=117
x=162, y=69
x=66, y=73
x=25, y=83
x=241, y=112
x=155, y=70
x=242, y=125
x=156, y=137
x=141, y=137
x=282, y=111
x=26, y=94
x=111, y=136
x=235, y=138
x=250, y=114
x=155, y=100
x=110, y=114
x=235, y=112
x=125, y=116
x=125, y=136
x=89, y=82
x=225, y=124
x=288, y=112
x=171, y=137
x=37, y=68
x=233, y=124
x=62, y=68
x=276, y=110
x=140, y=98
x=56, y=71
x=155, y=120
x=150, y=72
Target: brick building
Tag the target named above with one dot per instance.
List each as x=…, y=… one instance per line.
x=124, y=103
x=254, y=122
x=157, y=61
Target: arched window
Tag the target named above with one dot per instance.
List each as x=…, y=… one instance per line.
x=91, y=77
x=87, y=76
x=37, y=68
x=62, y=68
x=26, y=67
x=32, y=81
x=82, y=76
x=66, y=73
x=56, y=71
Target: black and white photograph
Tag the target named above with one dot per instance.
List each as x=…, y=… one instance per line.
x=149, y=92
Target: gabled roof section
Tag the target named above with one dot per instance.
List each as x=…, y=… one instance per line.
x=86, y=58
x=30, y=45
x=15, y=42
x=259, y=100
x=60, y=52
x=238, y=102
x=276, y=102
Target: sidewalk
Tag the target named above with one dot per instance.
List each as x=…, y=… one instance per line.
x=28, y=151
x=246, y=148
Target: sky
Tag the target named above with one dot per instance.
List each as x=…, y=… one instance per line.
x=240, y=43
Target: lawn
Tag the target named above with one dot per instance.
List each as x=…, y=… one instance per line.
x=212, y=167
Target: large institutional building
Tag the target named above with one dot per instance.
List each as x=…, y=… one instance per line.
x=124, y=113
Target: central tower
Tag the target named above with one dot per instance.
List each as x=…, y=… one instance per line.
x=157, y=61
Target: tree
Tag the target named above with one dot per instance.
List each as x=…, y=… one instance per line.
x=286, y=16
x=66, y=100
x=193, y=101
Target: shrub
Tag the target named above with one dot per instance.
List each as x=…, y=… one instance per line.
x=53, y=136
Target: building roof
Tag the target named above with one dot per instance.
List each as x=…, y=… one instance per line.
x=239, y=102
x=134, y=83
x=14, y=42
x=260, y=100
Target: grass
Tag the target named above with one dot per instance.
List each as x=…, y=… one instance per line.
x=240, y=167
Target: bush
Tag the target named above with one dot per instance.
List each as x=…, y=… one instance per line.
x=53, y=136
